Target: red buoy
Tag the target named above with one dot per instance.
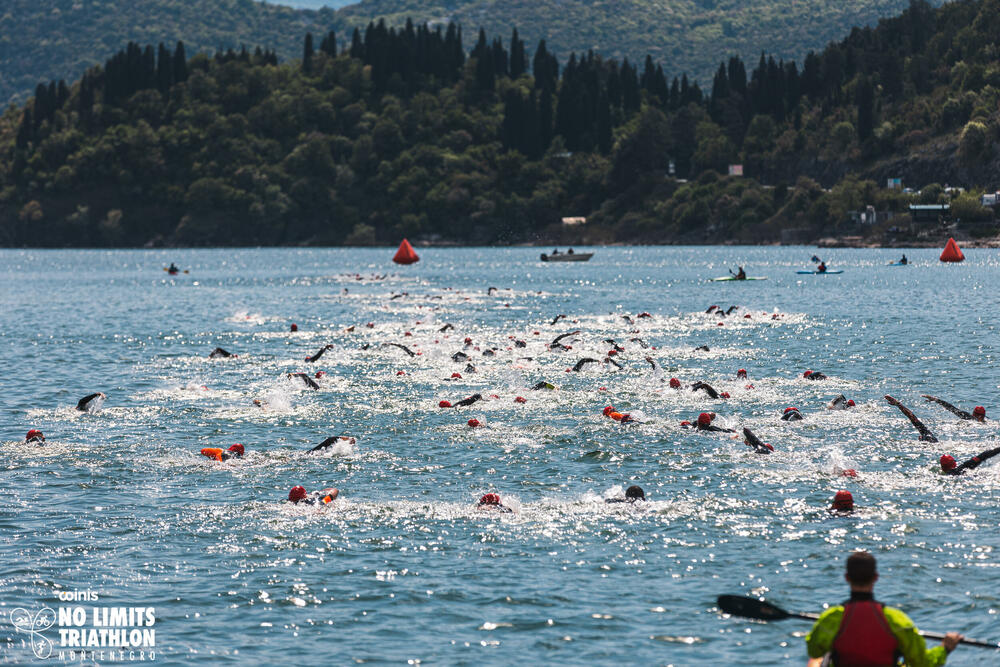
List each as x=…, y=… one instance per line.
x=951, y=252
x=405, y=254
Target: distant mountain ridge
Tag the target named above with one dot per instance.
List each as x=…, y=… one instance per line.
x=59, y=39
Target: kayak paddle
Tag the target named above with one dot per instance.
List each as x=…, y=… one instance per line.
x=736, y=605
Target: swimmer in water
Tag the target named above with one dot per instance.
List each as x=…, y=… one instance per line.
x=34, y=437
x=309, y=382
x=329, y=442
x=217, y=453
x=843, y=504
x=322, y=497
x=758, y=445
x=543, y=385
x=792, y=415
x=313, y=359
x=632, y=494
x=978, y=413
x=468, y=401
x=840, y=403
x=707, y=387
x=704, y=423
x=218, y=353
x=402, y=347
x=950, y=467
x=491, y=502
x=813, y=375
x=88, y=402
x=925, y=433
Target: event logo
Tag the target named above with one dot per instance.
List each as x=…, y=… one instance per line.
x=33, y=626
x=96, y=634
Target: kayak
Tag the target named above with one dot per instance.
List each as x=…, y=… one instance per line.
x=818, y=272
x=899, y=264
x=725, y=279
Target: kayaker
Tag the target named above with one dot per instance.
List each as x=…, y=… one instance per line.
x=925, y=433
x=740, y=274
x=950, y=467
x=569, y=252
x=632, y=494
x=821, y=268
x=978, y=413
x=89, y=402
x=173, y=269
x=863, y=631
x=903, y=260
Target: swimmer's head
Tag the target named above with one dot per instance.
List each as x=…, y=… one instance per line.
x=843, y=501
x=807, y=374
x=704, y=419
x=675, y=383
x=296, y=494
x=979, y=413
x=742, y=373
x=790, y=409
x=851, y=403
x=294, y=327
x=34, y=435
x=634, y=493
x=947, y=462
x=473, y=423
x=608, y=410
x=490, y=500
x=444, y=404
x=237, y=449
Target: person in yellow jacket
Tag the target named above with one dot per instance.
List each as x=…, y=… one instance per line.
x=865, y=632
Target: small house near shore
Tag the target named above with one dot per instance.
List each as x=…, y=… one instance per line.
x=929, y=213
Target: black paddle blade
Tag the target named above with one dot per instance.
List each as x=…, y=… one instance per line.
x=736, y=605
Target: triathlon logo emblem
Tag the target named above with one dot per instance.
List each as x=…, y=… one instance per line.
x=34, y=626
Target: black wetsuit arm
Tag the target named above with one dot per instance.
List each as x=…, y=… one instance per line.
x=586, y=360
x=468, y=401
x=717, y=429
x=975, y=461
x=755, y=442
x=962, y=414
x=82, y=404
x=925, y=433
x=326, y=443
x=707, y=387
x=315, y=357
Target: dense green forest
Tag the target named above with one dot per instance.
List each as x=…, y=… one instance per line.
x=387, y=133
x=60, y=39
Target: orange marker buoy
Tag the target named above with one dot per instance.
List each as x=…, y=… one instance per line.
x=951, y=252
x=405, y=254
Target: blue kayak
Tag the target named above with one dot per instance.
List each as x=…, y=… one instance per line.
x=899, y=264
x=818, y=272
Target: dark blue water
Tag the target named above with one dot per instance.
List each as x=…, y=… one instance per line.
x=403, y=567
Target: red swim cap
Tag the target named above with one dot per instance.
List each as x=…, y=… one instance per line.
x=406, y=334
x=807, y=374
x=444, y=404
x=850, y=403
x=612, y=353
x=457, y=376
x=685, y=423
x=34, y=433
x=787, y=410
x=468, y=341
x=742, y=373
x=704, y=419
x=849, y=472
x=724, y=394
x=520, y=399
x=490, y=499
x=749, y=386
x=675, y=383
x=238, y=448
x=843, y=501
x=608, y=410
x=473, y=423
x=400, y=372
x=947, y=462
x=320, y=374
x=747, y=317
x=979, y=411
x=370, y=325
x=294, y=327
x=296, y=494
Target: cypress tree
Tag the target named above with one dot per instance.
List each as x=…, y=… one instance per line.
x=307, y=53
x=180, y=63
x=866, y=110
x=518, y=64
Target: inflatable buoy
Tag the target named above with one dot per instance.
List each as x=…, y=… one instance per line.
x=405, y=254
x=951, y=252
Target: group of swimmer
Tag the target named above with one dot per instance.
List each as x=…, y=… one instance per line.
x=842, y=503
